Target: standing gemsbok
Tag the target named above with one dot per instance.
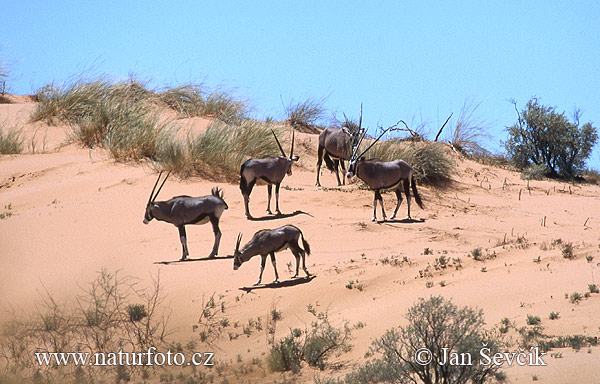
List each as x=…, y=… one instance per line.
x=335, y=146
x=183, y=210
x=379, y=176
x=267, y=242
x=271, y=171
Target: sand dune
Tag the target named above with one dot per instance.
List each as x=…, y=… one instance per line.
x=76, y=211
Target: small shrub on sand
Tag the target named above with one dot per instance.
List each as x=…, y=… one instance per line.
x=313, y=346
x=303, y=115
x=468, y=132
x=433, y=323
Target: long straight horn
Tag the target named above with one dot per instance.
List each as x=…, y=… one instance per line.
x=292, y=150
x=239, y=241
x=159, y=188
x=153, y=188
x=278, y=143
x=358, y=143
x=373, y=143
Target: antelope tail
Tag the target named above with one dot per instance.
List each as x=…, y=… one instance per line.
x=305, y=245
x=329, y=162
x=415, y=193
x=243, y=182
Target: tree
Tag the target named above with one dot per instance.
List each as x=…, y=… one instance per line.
x=422, y=351
x=544, y=137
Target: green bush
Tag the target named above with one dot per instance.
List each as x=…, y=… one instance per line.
x=433, y=323
x=545, y=137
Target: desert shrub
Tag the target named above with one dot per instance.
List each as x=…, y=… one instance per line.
x=533, y=320
x=433, y=323
x=11, y=141
x=305, y=114
x=222, y=148
x=554, y=315
x=543, y=136
x=593, y=288
x=430, y=160
x=69, y=102
x=195, y=100
x=535, y=172
x=592, y=176
x=469, y=131
x=128, y=129
x=314, y=345
x=101, y=319
x=567, y=251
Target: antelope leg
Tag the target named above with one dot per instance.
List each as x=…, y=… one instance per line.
x=274, y=267
x=263, y=261
x=269, y=192
x=183, y=238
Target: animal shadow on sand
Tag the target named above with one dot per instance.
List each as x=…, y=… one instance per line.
x=280, y=284
x=400, y=221
x=279, y=216
x=170, y=262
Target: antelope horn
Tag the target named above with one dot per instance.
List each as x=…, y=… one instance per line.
x=278, y=143
x=163, y=183
x=373, y=143
x=239, y=241
x=292, y=150
x=153, y=188
x=360, y=140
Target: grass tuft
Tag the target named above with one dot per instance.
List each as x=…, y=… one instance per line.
x=11, y=140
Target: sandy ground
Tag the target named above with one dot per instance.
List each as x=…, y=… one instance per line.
x=75, y=211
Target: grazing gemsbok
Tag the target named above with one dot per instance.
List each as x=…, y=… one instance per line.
x=183, y=210
x=379, y=175
x=335, y=146
x=271, y=170
x=267, y=242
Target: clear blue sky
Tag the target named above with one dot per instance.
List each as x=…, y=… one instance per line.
x=401, y=59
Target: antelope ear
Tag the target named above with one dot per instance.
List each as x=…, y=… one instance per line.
x=346, y=130
x=295, y=158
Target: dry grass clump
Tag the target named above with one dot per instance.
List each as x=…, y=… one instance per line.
x=469, y=131
x=430, y=160
x=219, y=152
x=193, y=100
x=11, y=141
x=305, y=115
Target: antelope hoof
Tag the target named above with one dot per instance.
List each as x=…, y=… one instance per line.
x=278, y=212
x=212, y=255
x=269, y=212
x=307, y=273
x=255, y=284
x=393, y=217
x=275, y=281
x=295, y=275
x=374, y=219
x=317, y=184
x=183, y=258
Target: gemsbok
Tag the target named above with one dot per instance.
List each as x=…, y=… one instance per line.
x=271, y=171
x=186, y=210
x=335, y=146
x=267, y=242
x=379, y=176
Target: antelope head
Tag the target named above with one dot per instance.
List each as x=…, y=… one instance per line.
x=356, y=157
x=237, y=255
x=149, y=216
x=291, y=158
